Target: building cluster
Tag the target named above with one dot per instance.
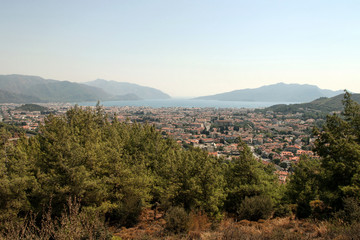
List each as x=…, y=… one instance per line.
x=274, y=138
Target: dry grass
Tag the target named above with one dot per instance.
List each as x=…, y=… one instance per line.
x=279, y=228
x=72, y=224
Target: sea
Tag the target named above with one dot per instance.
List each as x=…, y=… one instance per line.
x=184, y=103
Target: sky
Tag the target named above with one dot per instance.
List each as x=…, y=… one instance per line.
x=185, y=48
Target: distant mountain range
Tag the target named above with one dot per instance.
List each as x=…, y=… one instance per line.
x=26, y=89
x=324, y=105
x=123, y=88
x=280, y=92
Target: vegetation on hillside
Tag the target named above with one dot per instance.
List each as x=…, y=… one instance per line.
x=31, y=108
x=317, y=108
x=37, y=89
x=327, y=187
x=10, y=97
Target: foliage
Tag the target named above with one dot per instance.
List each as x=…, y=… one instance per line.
x=195, y=182
x=177, y=220
x=339, y=147
x=31, y=108
x=351, y=211
x=246, y=177
x=320, y=186
x=16, y=179
x=315, y=109
x=304, y=185
x=255, y=208
x=113, y=168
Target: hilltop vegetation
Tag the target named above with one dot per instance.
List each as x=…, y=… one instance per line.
x=31, y=108
x=323, y=105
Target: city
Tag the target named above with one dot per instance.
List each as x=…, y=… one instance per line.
x=280, y=139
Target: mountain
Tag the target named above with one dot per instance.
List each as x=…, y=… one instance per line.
x=10, y=97
x=124, y=88
x=22, y=88
x=325, y=105
x=280, y=92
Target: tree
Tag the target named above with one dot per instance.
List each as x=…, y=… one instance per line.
x=246, y=177
x=194, y=181
x=283, y=165
x=15, y=178
x=304, y=185
x=338, y=145
x=82, y=155
x=336, y=176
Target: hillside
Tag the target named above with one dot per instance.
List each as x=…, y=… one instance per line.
x=280, y=92
x=323, y=104
x=10, y=97
x=124, y=88
x=31, y=108
x=38, y=89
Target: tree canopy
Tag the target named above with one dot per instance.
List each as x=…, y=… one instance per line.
x=117, y=169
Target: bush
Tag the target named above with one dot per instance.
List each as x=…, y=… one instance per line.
x=127, y=213
x=72, y=224
x=351, y=211
x=177, y=220
x=282, y=210
x=318, y=209
x=342, y=231
x=255, y=208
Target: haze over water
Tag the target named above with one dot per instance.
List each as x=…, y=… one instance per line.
x=186, y=103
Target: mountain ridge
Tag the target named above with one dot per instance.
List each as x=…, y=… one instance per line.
x=280, y=92
x=123, y=88
x=17, y=88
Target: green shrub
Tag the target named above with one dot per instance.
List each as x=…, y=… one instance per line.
x=255, y=208
x=351, y=211
x=282, y=210
x=177, y=220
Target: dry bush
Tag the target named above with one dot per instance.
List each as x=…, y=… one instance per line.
x=193, y=235
x=28, y=228
x=80, y=225
x=72, y=224
x=199, y=222
x=343, y=231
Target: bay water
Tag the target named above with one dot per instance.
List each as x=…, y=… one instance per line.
x=184, y=103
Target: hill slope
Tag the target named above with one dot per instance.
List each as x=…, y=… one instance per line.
x=124, y=88
x=280, y=92
x=10, y=97
x=38, y=89
x=31, y=108
x=323, y=104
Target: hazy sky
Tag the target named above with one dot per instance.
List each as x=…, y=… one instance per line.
x=184, y=47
